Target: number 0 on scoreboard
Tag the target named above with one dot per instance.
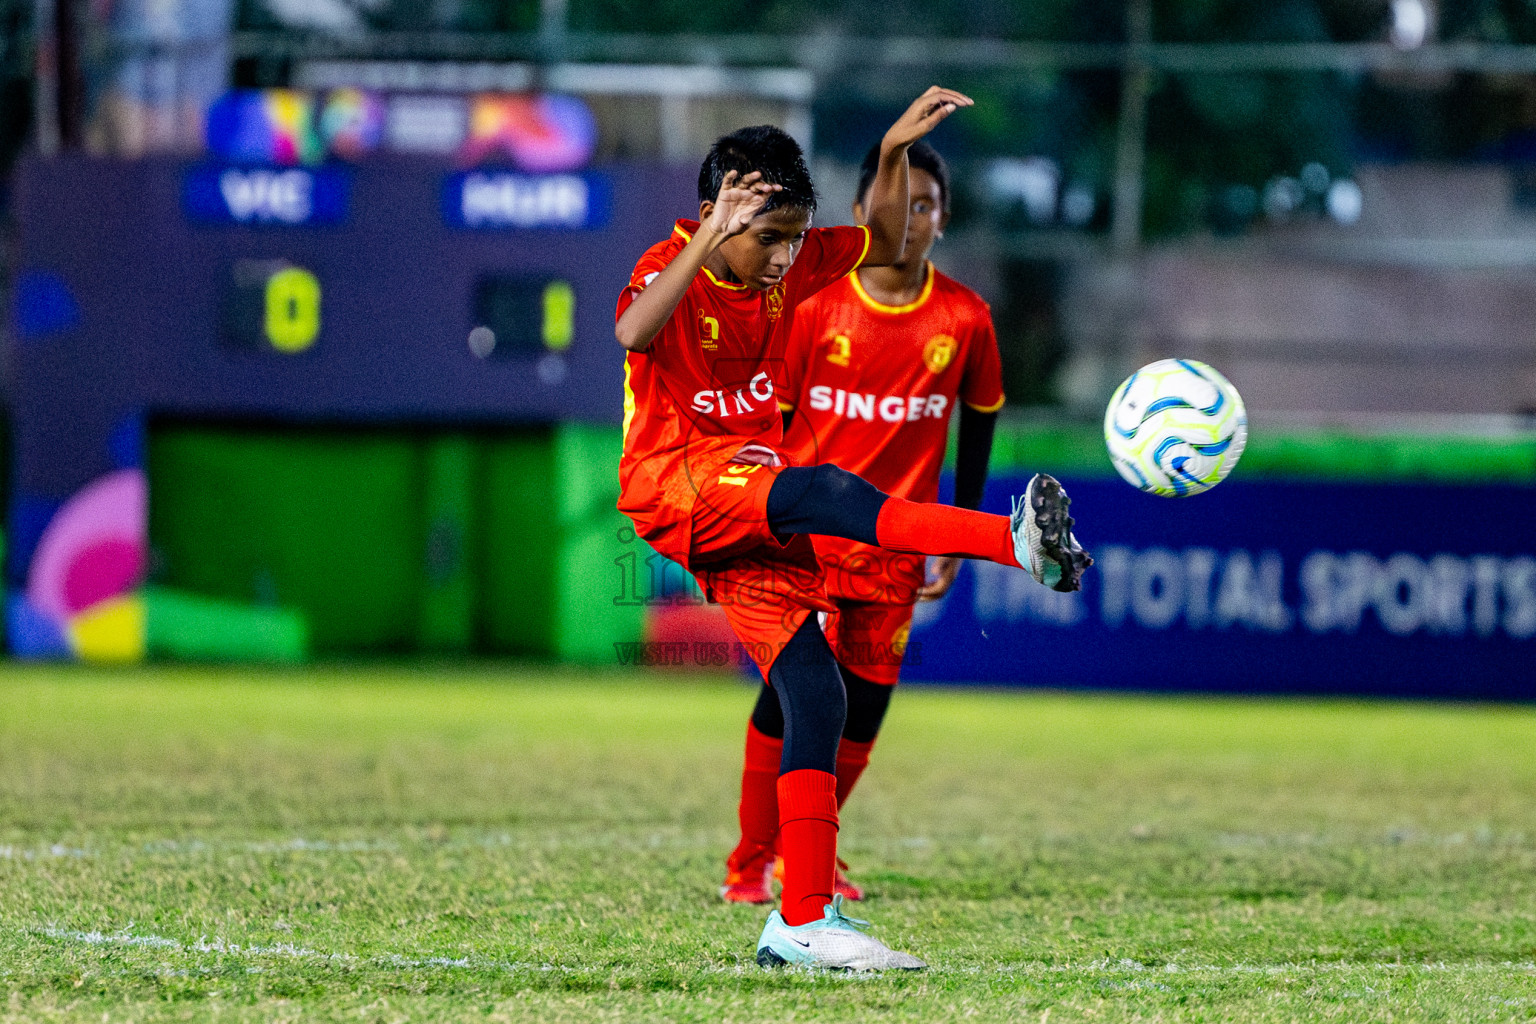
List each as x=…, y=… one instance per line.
x=271, y=305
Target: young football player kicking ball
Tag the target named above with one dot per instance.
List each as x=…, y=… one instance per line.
x=876, y=364
x=703, y=476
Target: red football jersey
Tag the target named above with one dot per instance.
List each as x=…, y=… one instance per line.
x=714, y=370
x=873, y=387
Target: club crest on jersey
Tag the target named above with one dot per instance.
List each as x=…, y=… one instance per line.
x=709, y=332
x=939, y=352
x=839, y=350
x=775, y=301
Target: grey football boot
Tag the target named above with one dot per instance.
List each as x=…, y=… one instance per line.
x=834, y=943
x=1042, y=535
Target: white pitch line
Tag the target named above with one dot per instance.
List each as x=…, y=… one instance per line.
x=40, y=853
x=1133, y=967
x=651, y=840
x=282, y=950
x=299, y=844
x=1101, y=968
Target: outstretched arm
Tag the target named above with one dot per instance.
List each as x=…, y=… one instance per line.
x=730, y=213
x=888, y=202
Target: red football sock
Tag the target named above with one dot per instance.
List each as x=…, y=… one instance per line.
x=759, y=808
x=808, y=837
x=852, y=759
x=926, y=529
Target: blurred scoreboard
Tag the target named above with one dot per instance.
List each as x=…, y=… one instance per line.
x=402, y=291
x=394, y=291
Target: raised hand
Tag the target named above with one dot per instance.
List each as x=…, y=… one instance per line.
x=924, y=115
x=740, y=199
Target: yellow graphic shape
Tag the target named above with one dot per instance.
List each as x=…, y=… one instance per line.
x=110, y=631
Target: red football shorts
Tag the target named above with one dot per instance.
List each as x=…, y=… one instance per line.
x=715, y=501
x=870, y=639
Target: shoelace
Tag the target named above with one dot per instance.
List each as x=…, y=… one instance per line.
x=838, y=915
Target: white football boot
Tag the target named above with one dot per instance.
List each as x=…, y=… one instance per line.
x=1042, y=535
x=834, y=943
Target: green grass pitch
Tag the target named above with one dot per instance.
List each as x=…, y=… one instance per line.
x=488, y=843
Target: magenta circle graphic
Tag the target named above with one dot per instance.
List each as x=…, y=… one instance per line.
x=93, y=548
x=102, y=570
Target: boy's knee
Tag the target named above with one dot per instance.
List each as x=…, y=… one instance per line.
x=837, y=484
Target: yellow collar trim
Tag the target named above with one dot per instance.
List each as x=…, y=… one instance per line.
x=723, y=284
x=677, y=228
x=880, y=307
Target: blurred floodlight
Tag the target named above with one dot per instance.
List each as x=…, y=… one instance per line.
x=1314, y=177
x=1410, y=24
x=324, y=15
x=1281, y=197
x=482, y=342
x=1033, y=181
x=426, y=124
x=1234, y=209
x=551, y=369
x=1345, y=201
x=1078, y=204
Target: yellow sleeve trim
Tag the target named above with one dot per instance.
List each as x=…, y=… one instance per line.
x=988, y=408
x=786, y=407
x=629, y=401
x=860, y=261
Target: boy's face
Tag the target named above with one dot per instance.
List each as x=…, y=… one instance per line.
x=926, y=218
x=760, y=256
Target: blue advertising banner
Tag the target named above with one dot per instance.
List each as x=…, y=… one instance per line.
x=291, y=196
x=1261, y=586
x=501, y=200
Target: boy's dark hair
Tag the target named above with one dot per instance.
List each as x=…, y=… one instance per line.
x=920, y=155
x=769, y=151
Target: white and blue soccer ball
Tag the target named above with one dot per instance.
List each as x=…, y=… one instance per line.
x=1176, y=428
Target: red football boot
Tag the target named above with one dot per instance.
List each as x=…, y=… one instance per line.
x=842, y=885
x=750, y=884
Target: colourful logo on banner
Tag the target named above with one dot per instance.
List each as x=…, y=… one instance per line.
x=539, y=133
x=264, y=126
x=285, y=127
x=351, y=123
x=82, y=585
